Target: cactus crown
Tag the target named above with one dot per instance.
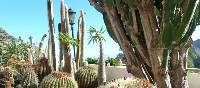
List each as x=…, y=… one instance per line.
x=60, y=74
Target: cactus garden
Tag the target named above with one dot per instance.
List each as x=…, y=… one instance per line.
x=99, y=43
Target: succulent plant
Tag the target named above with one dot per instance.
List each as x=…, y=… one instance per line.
x=9, y=76
x=30, y=79
x=86, y=77
x=43, y=68
x=58, y=79
x=128, y=83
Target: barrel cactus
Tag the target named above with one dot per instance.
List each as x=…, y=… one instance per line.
x=30, y=79
x=86, y=77
x=58, y=80
x=128, y=83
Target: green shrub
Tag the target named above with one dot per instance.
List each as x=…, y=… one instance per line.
x=91, y=60
x=113, y=62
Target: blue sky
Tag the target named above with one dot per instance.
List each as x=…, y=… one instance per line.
x=29, y=17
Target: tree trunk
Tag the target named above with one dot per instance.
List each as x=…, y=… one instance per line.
x=178, y=66
x=161, y=75
x=51, y=32
x=101, y=67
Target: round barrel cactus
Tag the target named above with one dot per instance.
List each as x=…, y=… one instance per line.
x=86, y=77
x=128, y=83
x=58, y=80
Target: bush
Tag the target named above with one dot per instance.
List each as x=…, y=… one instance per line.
x=91, y=60
x=113, y=62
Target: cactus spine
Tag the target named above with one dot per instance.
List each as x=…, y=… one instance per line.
x=58, y=80
x=86, y=77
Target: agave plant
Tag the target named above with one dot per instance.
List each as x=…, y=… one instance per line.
x=154, y=35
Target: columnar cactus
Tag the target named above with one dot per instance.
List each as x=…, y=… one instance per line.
x=58, y=80
x=80, y=37
x=128, y=83
x=154, y=35
x=30, y=79
x=43, y=67
x=86, y=77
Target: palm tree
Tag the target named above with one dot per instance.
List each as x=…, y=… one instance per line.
x=96, y=37
x=154, y=35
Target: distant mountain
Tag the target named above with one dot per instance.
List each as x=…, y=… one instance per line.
x=194, y=54
x=196, y=46
x=196, y=43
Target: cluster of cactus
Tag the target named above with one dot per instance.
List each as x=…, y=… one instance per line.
x=128, y=83
x=86, y=77
x=9, y=77
x=43, y=68
x=58, y=79
x=19, y=65
x=30, y=79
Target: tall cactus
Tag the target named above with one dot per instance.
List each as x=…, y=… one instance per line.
x=64, y=30
x=80, y=37
x=61, y=29
x=154, y=36
x=51, y=43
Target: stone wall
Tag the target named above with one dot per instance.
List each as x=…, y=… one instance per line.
x=115, y=72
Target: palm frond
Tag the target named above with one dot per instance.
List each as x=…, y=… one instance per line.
x=95, y=35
